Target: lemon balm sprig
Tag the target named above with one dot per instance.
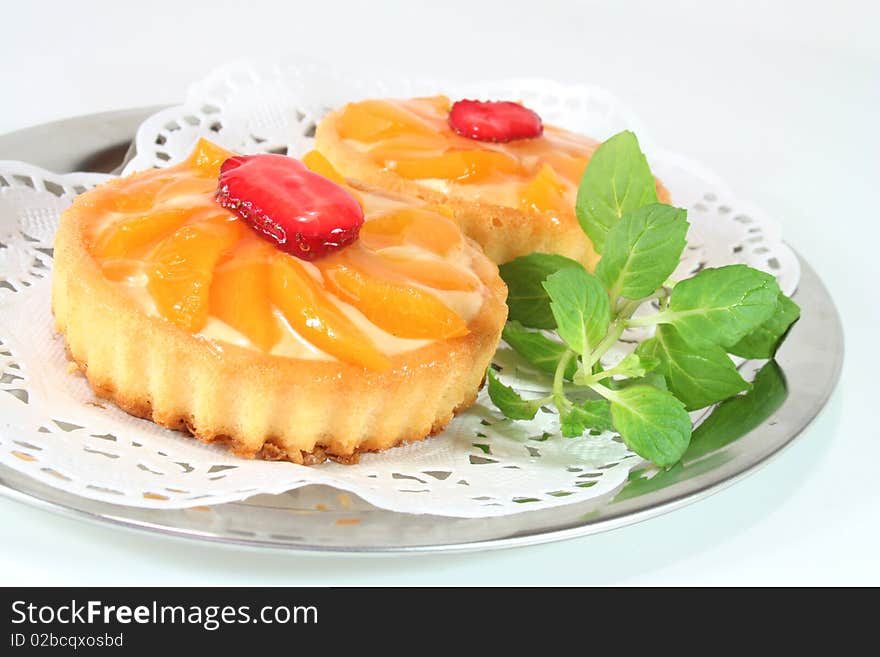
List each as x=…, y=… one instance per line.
x=684, y=366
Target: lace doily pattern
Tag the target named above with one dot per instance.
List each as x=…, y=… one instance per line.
x=53, y=428
x=273, y=108
x=30, y=201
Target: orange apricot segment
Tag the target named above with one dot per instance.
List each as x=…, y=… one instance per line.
x=442, y=209
x=437, y=274
x=407, y=147
x=464, y=166
x=189, y=185
x=392, y=305
x=567, y=166
x=303, y=302
x=239, y=296
x=374, y=120
x=127, y=237
x=438, y=105
x=421, y=227
x=315, y=161
x=180, y=269
x=207, y=157
x=135, y=195
x=118, y=269
x=544, y=192
x=663, y=195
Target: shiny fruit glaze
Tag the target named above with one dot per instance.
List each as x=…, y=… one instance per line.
x=414, y=139
x=161, y=237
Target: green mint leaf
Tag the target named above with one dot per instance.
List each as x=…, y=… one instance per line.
x=642, y=250
x=648, y=364
x=636, y=365
x=527, y=300
x=580, y=307
x=654, y=379
x=538, y=349
x=763, y=341
x=739, y=415
x=617, y=180
x=723, y=305
x=591, y=414
x=652, y=423
x=508, y=401
x=699, y=375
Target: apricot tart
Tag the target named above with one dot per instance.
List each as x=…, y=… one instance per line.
x=285, y=314
x=510, y=180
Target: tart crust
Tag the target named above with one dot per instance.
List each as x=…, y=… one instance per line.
x=256, y=404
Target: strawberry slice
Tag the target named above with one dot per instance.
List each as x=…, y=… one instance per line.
x=299, y=211
x=498, y=121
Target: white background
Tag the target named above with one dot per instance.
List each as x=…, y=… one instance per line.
x=780, y=98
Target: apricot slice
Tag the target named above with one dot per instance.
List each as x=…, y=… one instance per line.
x=437, y=105
x=240, y=295
x=119, y=269
x=442, y=209
x=127, y=237
x=374, y=120
x=567, y=166
x=437, y=274
x=464, y=166
x=137, y=195
x=303, y=302
x=315, y=161
x=406, y=148
x=392, y=305
x=181, y=267
x=663, y=195
x=206, y=158
x=543, y=192
x=421, y=227
x=189, y=185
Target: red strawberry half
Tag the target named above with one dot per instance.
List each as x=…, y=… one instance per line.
x=494, y=120
x=302, y=213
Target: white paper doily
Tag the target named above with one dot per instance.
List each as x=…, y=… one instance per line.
x=53, y=428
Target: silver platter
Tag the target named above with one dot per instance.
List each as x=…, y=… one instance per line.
x=322, y=519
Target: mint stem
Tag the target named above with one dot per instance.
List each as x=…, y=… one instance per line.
x=626, y=307
x=559, y=398
x=603, y=391
x=648, y=320
x=609, y=341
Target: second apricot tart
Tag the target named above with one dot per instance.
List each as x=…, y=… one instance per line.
x=512, y=197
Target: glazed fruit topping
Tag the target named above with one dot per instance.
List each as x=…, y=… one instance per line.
x=498, y=121
x=299, y=211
